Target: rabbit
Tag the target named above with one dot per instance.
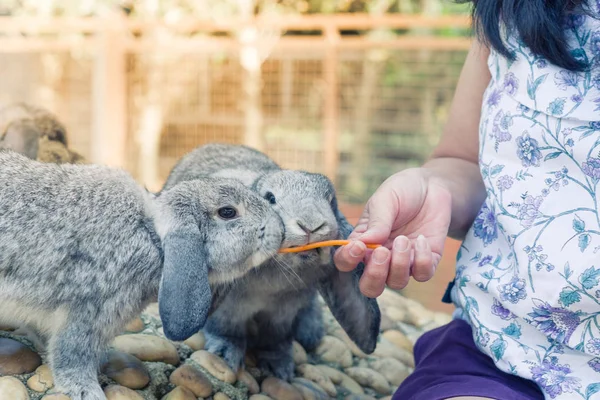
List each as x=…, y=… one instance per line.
x=269, y=307
x=35, y=133
x=84, y=249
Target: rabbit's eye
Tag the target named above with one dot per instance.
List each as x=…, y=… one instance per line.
x=270, y=197
x=227, y=212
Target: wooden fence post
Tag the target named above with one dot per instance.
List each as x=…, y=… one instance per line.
x=331, y=109
x=109, y=95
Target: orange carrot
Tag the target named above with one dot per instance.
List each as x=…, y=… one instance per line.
x=322, y=244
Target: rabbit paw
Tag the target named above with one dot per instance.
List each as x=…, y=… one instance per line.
x=278, y=364
x=232, y=350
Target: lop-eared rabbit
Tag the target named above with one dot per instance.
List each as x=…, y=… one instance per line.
x=270, y=306
x=84, y=249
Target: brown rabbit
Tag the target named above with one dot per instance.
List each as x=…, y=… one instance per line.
x=35, y=133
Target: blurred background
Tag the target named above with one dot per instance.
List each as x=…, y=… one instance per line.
x=354, y=89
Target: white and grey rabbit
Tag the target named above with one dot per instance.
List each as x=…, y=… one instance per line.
x=276, y=303
x=84, y=249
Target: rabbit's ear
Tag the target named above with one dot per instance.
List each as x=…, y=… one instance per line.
x=358, y=315
x=184, y=296
x=23, y=138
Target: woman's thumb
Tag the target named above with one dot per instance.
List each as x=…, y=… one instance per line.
x=375, y=225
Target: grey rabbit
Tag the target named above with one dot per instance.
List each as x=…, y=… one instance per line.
x=84, y=249
x=269, y=307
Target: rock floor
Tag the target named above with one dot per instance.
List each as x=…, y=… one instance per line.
x=144, y=365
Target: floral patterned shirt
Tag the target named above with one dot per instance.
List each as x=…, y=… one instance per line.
x=528, y=272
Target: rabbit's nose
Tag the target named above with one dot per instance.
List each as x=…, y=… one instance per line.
x=308, y=228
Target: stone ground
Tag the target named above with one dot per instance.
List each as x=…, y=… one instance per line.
x=144, y=365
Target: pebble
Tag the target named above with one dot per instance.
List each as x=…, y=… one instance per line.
x=386, y=398
x=192, y=379
x=214, y=365
x=196, y=341
x=300, y=356
x=259, y=397
x=135, y=326
x=343, y=336
x=180, y=393
x=126, y=370
x=56, y=396
x=441, y=318
x=386, y=323
x=314, y=374
x=248, y=380
x=309, y=390
x=221, y=396
x=393, y=370
x=147, y=348
x=340, y=378
x=117, y=392
x=418, y=318
x=332, y=349
x=359, y=397
x=386, y=349
x=369, y=378
x=399, y=339
x=280, y=390
x=42, y=380
x=12, y=388
x=16, y=358
x=396, y=314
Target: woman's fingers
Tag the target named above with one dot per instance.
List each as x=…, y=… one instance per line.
x=399, y=272
x=376, y=272
x=422, y=269
x=346, y=258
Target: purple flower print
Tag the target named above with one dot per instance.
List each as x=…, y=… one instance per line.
x=541, y=63
x=500, y=311
x=485, y=225
x=494, y=98
x=595, y=125
x=593, y=346
x=594, y=364
x=557, y=323
x=591, y=167
x=577, y=98
x=485, y=260
x=595, y=43
x=505, y=182
x=528, y=150
x=513, y=291
x=511, y=83
x=530, y=210
x=500, y=127
x=552, y=377
x=574, y=21
x=523, y=109
x=596, y=82
x=570, y=142
x=565, y=79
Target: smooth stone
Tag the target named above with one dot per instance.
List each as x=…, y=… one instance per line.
x=214, y=365
x=387, y=349
x=56, y=396
x=152, y=310
x=221, y=396
x=392, y=370
x=196, y=341
x=386, y=323
x=248, y=380
x=192, y=379
x=147, y=348
x=126, y=370
x=354, y=349
x=399, y=339
x=259, y=397
x=369, y=378
x=300, y=356
x=12, y=388
x=442, y=319
x=396, y=314
x=180, y=393
x=309, y=390
x=16, y=358
x=341, y=379
x=117, y=392
x=332, y=349
x=42, y=380
x=419, y=318
x=135, y=326
x=314, y=374
x=359, y=397
x=386, y=398
x=280, y=390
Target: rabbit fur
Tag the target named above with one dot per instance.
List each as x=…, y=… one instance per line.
x=35, y=133
x=84, y=249
x=269, y=307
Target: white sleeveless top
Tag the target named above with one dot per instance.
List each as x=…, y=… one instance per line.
x=528, y=272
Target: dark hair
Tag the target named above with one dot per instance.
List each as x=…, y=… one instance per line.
x=540, y=25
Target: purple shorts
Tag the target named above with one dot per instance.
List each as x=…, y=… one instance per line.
x=448, y=364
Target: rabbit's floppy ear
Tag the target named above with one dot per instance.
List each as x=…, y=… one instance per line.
x=184, y=296
x=22, y=137
x=358, y=315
